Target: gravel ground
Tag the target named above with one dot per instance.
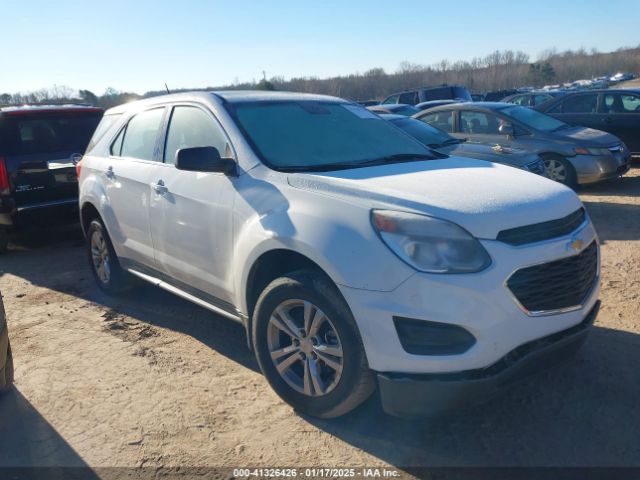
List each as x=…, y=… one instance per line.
x=152, y=380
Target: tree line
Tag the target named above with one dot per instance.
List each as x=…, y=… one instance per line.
x=501, y=70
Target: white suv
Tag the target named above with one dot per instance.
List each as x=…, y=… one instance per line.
x=354, y=256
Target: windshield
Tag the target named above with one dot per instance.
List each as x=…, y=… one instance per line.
x=423, y=132
x=533, y=119
x=308, y=134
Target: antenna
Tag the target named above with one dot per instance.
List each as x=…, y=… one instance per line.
x=165, y=86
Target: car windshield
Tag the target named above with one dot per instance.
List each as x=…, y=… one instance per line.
x=533, y=119
x=310, y=134
x=425, y=133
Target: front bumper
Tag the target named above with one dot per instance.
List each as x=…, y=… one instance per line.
x=418, y=395
x=593, y=168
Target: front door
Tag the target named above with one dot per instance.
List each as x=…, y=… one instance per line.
x=191, y=212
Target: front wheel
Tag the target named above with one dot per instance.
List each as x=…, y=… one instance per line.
x=561, y=170
x=308, y=346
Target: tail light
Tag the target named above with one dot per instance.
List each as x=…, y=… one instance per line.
x=78, y=168
x=4, y=178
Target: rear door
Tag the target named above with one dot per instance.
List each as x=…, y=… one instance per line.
x=126, y=174
x=619, y=114
x=40, y=149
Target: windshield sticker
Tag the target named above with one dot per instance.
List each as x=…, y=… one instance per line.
x=360, y=111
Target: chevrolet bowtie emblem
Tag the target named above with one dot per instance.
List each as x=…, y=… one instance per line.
x=576, y=245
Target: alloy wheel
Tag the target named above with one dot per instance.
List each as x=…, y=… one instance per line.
x=556, y=170
x=100, y=257
x=305, y=347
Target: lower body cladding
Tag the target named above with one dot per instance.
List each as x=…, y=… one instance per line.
x=593, y=168
x=494, y=338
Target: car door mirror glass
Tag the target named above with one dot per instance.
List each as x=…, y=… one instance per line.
x=204, y=159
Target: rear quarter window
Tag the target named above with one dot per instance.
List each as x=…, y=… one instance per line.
x=103, y=127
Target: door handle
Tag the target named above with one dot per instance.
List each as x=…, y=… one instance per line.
x=159, y=187
x=109, y=172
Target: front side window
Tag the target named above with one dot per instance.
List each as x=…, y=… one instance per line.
x=520, y=100
x=440, y=120
x=192, y=127
x=620, y=103
x=479, y=123
x=539, y=99
x=409, y=98
x=313, y=135
x=580, y=104
x=141, y=135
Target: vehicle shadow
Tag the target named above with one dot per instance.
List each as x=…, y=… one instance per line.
x=583, y=413
x=626, y=186
x=67, y=270
x=615, y=221
x=27, y=440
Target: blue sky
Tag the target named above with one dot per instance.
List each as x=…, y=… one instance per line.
x=138, y=45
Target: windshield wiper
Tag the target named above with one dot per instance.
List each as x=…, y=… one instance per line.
x=397, y=158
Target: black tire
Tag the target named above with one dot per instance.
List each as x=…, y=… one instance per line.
x=4, y=239
x=8, y=371
x=355, y=383
x=560, y=164
x=118, y=280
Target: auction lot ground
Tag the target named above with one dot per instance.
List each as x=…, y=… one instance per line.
x=152, y=380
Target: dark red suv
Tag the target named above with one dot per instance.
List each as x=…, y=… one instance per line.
x=39, y=147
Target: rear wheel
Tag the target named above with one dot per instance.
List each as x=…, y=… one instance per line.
x=4, y=239
x=106, y=269
x=560, y=170
x=308, y=346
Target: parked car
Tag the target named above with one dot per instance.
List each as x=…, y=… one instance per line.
x=532, y=99
x=572, y=155
x=444, y=143
x=425, y=94
x=6, y=358
x=497, y=95
x=39, y=146
x=353, y=255
x=369, y=103
x=434, y=103
x=621, y=77
x=614, y=111
x=477, y=97
x=398, y=109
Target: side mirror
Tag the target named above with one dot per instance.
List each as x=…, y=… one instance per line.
x=204, y=159
x=506, y=129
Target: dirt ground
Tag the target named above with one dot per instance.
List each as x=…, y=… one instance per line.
x=152, y=380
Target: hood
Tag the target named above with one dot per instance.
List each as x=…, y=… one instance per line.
x=589, y=137
x=482, y=197
x=514, y=157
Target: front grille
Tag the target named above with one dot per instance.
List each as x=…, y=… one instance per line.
x=556, y=285
x=543, y=231
x=537, y=167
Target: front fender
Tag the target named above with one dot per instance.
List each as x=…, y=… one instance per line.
x=334, y=234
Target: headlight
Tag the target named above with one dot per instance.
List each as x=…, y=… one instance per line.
x=591, y=151
x=429, y=244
